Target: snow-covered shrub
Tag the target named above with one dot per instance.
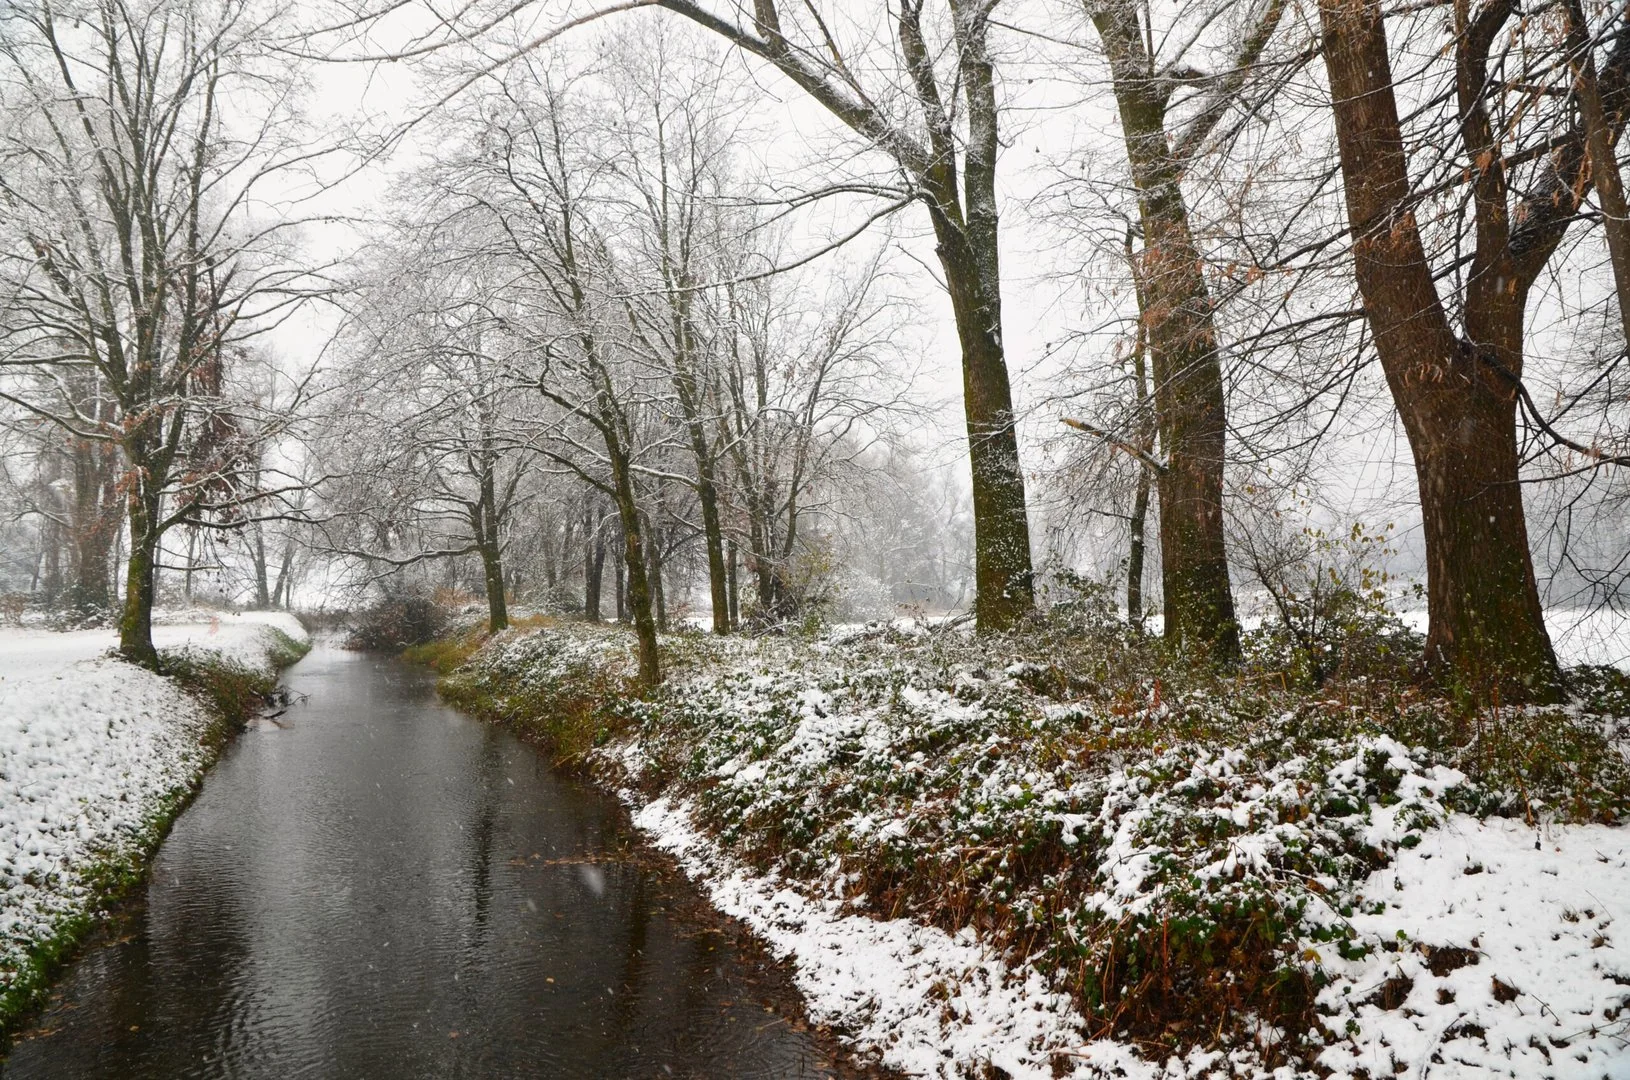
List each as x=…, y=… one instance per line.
x=1327, y=611
x=857, y=596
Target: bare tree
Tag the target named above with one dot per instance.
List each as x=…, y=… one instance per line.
x=927, y=101
x=1174, y=301
x=425, y=400
x=133, y=260
x=1457, y=392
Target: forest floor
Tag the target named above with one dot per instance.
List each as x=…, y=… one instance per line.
x=98, y=756
x=1057, y=853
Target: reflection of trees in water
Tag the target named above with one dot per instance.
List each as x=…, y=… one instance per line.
x=489, y=777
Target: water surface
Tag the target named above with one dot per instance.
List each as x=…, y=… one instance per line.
x=386, y=888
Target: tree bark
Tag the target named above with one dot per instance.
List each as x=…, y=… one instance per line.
x=94, y=524
x=489, y=539
x=1604, y=164
x=263, y=583
x=707, y=494
x=1179, y=322
x=594, y=557
x=136, y=620
x=1134, y=555
x=1487, y=631
x=280, y=592
x=735, y=596
x=658, y=598
x=639, y=585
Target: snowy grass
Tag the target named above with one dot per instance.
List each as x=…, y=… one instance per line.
x=97, y=756
x=1060, y=853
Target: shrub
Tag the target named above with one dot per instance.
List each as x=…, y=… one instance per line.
x=398, y=621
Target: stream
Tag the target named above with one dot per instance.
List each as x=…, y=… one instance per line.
x=378, y=886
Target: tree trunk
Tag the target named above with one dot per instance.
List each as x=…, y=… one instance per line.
x=654, y=568
x=186, y=575
x=136, y=621
x=718, y=584
x=594, y=557
x=263, y=584
x=762, y=564
x=489, y=538
x=492, y=574
x=735, y=595
x=280, y=592
x=1004, y=590
x=963, y=212
x=94, y=527
x=639, y=586
x=1179, y=320
x=1134, y=555
x=617, y=572
x=1604, y=164
x=1486, y=631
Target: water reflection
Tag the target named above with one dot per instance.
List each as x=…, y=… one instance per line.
x=387, y=889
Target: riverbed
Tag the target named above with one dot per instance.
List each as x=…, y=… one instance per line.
x=374, y=885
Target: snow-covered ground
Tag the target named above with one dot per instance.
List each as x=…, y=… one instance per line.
x=923, y=1001
x=1513, y=956
x=1430, y=896
x=91, y=748
x=1505, y=964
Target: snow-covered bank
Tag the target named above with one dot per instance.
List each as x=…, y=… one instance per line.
x=96, y=755
x=925, y=1002
x=1060, y=855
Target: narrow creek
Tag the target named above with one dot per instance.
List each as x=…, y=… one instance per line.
x=386, y=888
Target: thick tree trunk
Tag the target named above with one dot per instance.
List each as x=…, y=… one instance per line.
x=136, y=620
x=1179, y=321
x=94, y=528
x=1487, y=632
x=492, y=567
x=639, y=586
x=1486, y=628
x=1004, y=590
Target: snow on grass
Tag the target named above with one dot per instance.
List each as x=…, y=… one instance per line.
x=92, y=751
x=1053, y=855
x=1510, y=956
x=922, y=1001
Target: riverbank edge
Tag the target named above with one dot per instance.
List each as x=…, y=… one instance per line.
x=581, y=715
x=231, y=693
x=568, y=687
